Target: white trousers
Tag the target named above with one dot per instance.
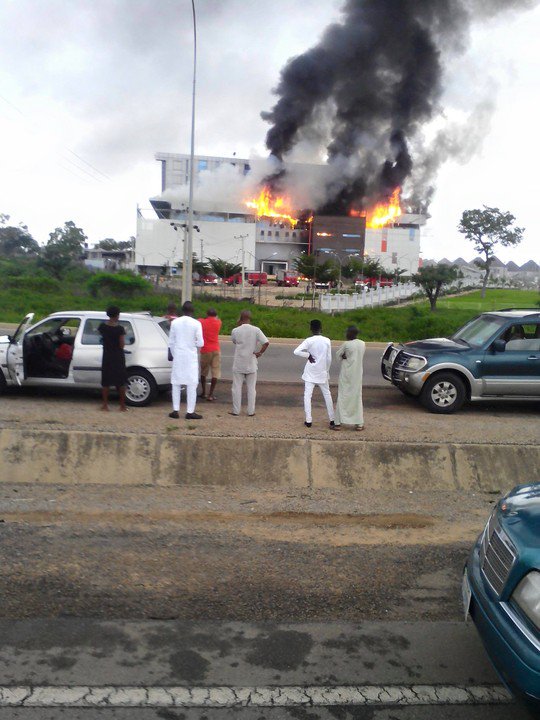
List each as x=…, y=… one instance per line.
x=191, y=396
x=238, y=380
x=308, y=392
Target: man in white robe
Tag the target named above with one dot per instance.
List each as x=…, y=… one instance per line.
x=318, y=351
x=349, y=409
x=185, y=337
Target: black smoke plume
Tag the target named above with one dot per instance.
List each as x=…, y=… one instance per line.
x=379, y=72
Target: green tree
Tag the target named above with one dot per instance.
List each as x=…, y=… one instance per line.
x=110, y=244
x=223, y=268
x=486, y=229
x=309, y=266
x=432, y=279
x=15, y=240
x=63, y=250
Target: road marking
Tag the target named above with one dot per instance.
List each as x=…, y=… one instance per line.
x=267, y=696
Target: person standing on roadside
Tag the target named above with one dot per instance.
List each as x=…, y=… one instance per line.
x=113, y=364
x=210, y=353
x=250, y=343
x=318, y=351
x=349, y=409
x=185, y=338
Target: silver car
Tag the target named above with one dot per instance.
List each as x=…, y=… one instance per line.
x=64, y=350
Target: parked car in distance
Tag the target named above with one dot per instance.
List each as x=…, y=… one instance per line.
x=496, y=355
x=209, y=279
x=501, y=591
x=251, y=278
x=287, y=278
x=64, y=350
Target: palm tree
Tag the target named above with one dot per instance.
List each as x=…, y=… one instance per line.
x=224, y=269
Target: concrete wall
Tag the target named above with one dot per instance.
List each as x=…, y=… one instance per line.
x=115, y=458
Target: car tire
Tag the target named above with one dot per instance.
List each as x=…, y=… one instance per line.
x=3, y=383
x=141, y=388
x=443, y=393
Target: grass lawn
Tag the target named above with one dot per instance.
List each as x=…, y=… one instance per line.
x=383, y=324
x=494, y=300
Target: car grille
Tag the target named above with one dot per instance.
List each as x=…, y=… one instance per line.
x=400, y=363
x=497, y=555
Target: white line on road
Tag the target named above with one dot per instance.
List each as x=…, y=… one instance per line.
x=225, y=697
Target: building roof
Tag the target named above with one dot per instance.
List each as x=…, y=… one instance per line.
x=530, y=266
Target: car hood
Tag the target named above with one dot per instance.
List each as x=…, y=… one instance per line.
x=521, y=510
x=434, y=345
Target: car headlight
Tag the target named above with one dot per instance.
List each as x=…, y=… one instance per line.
x=527, y=597
x=415, y=363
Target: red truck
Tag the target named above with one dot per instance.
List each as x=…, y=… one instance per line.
x=251, y=278
x=373, y=282
x=287, y=278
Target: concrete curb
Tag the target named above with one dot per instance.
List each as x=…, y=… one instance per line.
x=76, y=457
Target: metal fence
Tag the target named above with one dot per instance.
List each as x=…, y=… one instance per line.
x=366, y=298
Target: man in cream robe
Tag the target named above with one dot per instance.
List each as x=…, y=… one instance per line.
x=350, y=355
x=185, y=337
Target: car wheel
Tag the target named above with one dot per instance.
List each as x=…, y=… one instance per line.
x=3, y=383
x=141, y=388
x=443, y=393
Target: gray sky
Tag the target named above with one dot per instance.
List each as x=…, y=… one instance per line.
x=91, y=89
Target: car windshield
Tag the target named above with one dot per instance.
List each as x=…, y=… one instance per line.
x=476, y=332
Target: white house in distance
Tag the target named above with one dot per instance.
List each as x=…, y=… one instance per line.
x=226, y=227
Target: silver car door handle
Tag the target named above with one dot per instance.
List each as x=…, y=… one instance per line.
x=533, y=357
x=127, y=352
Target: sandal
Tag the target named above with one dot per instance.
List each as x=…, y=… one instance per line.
x=359, y=428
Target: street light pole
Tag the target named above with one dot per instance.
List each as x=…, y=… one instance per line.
x=188, y=267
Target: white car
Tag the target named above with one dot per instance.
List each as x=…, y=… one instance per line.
x=64, y=350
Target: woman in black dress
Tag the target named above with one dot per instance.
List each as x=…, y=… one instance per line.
x=113, y=366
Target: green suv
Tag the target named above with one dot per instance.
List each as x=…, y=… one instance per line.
x=495, y=355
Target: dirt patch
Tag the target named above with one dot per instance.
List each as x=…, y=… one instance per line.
x=391, y=521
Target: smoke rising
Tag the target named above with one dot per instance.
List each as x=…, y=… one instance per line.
x=380, y=72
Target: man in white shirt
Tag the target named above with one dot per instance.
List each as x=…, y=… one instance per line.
x=249, y=344
x=185, y=337
x=318, y=351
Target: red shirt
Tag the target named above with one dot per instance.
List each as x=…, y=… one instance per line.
x=210, y=330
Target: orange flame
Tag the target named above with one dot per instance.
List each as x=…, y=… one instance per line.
x=382, y=213
x=267, y=206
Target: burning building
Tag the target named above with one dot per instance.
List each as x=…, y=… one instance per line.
x=271, y=228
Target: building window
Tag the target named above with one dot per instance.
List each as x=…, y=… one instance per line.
x=262, y=232
x=202, y=165
x=276, y=233
x=294, y=234
x=287, y=234
x=384, y=245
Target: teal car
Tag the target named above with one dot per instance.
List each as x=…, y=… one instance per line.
x=494, y=356
x=501, y=591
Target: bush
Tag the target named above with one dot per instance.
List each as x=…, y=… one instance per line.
x=36, y=284
x=121, y=285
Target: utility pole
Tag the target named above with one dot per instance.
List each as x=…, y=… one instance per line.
x=188, y=252
x=202, y=250
x=242, y=238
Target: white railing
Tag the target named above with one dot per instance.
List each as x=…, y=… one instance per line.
x=366, y=298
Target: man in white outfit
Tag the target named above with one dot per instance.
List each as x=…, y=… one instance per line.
x=185, y=337
x=249, y=344
x=318, y=351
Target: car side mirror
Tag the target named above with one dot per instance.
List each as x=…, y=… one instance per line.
x=131, y=340
x=498, y=346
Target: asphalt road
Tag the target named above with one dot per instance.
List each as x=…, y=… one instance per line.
x=173, y=670
x=278, y=364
